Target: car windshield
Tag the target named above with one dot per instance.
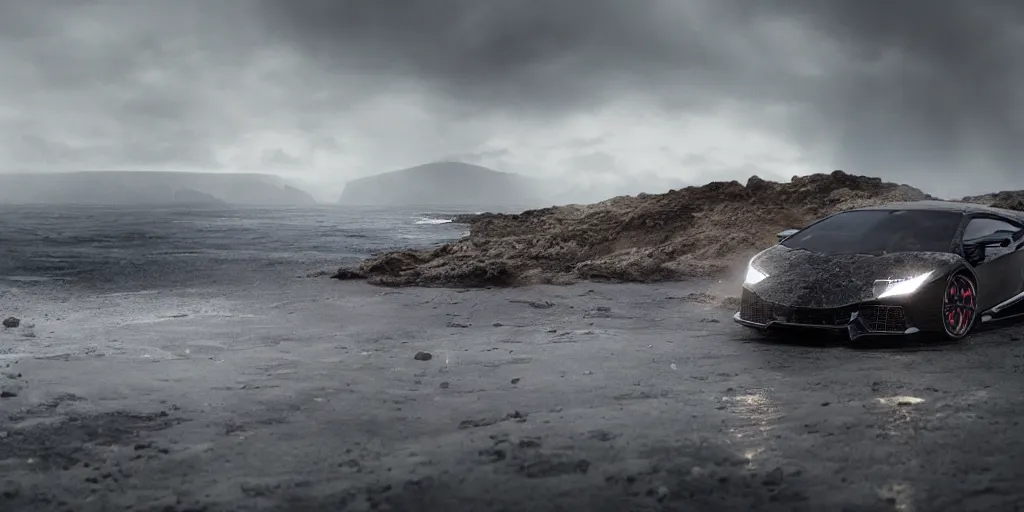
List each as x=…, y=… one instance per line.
x=879, y=232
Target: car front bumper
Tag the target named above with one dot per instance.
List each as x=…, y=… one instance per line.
x=867, y=319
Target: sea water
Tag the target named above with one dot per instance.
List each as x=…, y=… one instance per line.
x=108, y=249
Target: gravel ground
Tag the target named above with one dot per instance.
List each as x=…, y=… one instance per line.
x=323, y=395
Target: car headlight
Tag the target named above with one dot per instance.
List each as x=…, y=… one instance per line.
x=754, y=275
x=891, y=288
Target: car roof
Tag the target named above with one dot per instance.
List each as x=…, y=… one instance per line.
x=946, y=206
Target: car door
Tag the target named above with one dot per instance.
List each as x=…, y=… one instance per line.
x=1001, y=271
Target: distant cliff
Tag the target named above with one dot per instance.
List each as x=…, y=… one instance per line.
x=444, y=184
x=148, y=188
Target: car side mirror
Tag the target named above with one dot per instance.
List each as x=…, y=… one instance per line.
x=786, y=233
x=974, y=250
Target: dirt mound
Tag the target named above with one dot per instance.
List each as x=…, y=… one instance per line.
x=692, y=232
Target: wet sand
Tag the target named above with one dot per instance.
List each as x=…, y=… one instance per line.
x=309, y=395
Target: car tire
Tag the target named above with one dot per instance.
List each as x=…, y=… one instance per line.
x=959, y=306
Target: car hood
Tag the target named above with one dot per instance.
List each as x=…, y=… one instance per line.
x=814, y=280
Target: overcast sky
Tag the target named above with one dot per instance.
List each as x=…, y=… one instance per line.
x=929, y=92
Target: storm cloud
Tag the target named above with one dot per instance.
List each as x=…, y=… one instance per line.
x=597, y=90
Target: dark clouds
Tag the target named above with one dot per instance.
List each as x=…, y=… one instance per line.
x=884, y=87
x=925, y=85
x=92, y=84
x=533, y=54
x=901, y=89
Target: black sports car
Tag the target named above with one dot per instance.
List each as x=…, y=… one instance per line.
x=929, y=266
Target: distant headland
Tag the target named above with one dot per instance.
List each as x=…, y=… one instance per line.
x=444, y=184
x=152, y=188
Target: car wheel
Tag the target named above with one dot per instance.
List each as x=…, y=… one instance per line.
x=959, y=306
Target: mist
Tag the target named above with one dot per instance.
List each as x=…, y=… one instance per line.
x=604, y=97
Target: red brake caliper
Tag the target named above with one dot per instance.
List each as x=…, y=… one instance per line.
x=968, y=301
x=951, y=316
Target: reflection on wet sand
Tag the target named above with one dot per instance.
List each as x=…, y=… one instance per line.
x=759, y=414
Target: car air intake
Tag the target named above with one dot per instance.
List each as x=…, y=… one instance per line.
x=888, y=319
x=822, y=317
x=755, y=309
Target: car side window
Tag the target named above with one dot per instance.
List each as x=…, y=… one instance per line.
x=981, y=226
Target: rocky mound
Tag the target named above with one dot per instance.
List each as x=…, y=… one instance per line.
x=692, y=232
x=1011, y=200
